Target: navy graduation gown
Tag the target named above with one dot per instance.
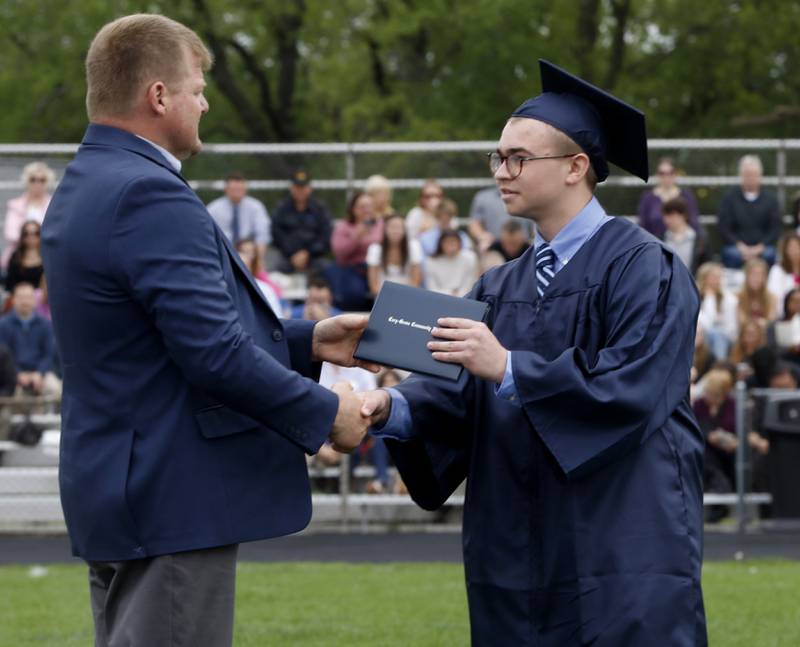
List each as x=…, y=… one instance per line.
x=583, y=514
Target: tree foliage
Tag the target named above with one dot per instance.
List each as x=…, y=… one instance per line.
x=358, y=70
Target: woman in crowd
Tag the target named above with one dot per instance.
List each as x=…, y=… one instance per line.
x=652, y=201
x=785, y=274
x=25, y=264
x=248, y=252
x=755, y=301
x=379, y=188
x=717, y=310
x=351, y=238
x=353, y=234
x=715, y=411
x=423, y=216
x=750, y=354
x=31, y=205
x=783, y=336
x=452, y=269
x=396, y=258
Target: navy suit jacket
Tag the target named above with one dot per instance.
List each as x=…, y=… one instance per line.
x=188, y=407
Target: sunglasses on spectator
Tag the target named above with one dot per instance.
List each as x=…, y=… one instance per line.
x=37, y=180
x=31, y=232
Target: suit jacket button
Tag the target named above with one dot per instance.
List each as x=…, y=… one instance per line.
x=277, y=335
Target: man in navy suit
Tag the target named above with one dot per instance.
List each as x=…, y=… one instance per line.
x=188, y=407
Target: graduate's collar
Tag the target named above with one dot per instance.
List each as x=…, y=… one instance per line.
x=576, y=232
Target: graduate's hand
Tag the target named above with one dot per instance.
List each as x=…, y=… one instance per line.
x=471, y=344
x=335, y=340
x=376, y=406
x=349, y=427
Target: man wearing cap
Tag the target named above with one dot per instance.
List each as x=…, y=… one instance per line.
x=572, y=424
x=301, y=228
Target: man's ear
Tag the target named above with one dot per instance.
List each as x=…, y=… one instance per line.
x=578, y=168
x=157, y=97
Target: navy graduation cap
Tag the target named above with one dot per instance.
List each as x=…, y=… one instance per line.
x=606, y=129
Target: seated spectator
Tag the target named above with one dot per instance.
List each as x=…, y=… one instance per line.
x=513, y=241
x=651, y=212
x=488, y=215
x=301, y=227
x=744, y=352
x=446, y=217
x=240, y=216
x=715, y=411
x=319, y=301
x=396, y=258
x=30, y=340
x=680, y=237
x=717, y=310
x=380, y=190
x=755, y=301
x=422, y=217
x=783, y=336
x=25, y=264
x=452, y=269
x=350, y=241
x=749, y=218
x=248, y=252
x=30, y=206
x=785, y=274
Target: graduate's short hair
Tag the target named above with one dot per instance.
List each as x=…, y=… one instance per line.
x=564, y=145
x=132, y=52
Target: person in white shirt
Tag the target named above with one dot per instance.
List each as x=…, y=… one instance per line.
x=451, y=269
x=423, y=216
x=784, y=275
x=396, y=258
x=241, y=216
x=718, y=307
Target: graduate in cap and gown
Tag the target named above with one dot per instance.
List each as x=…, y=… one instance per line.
x=583, y=519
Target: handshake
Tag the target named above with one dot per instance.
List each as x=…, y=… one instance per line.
x=357, y=413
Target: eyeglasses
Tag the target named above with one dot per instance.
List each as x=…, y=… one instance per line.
x=30, y=232
x=37, y=180
x=514, y=162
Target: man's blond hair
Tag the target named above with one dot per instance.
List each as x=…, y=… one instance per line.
x=132, y=52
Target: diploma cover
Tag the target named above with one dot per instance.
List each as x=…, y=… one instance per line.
x=400, y=327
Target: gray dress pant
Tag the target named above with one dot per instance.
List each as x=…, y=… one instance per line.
x=179, y=600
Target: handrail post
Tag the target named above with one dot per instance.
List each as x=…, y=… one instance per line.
x=741, y=435
x=780, y=171
x=344, y=489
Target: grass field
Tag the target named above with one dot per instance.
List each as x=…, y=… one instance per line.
x=749, y=604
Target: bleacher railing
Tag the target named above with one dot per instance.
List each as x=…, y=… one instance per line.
x=350, y=153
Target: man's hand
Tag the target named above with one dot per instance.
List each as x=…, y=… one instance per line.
x=299, y=259
x=335, y=341
x=349, y=427
x=376, y=406
x=471, y=344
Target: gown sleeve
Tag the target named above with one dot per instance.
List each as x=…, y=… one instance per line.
x=590, y=411
x=435, y=461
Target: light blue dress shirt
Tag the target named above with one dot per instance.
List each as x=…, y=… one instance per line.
x=565, y=245
x=174, y=162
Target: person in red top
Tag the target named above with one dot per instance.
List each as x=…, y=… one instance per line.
x=353, y=234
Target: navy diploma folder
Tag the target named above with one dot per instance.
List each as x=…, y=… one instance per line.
x=400, y=327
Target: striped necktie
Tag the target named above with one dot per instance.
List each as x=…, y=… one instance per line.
x=545, y=267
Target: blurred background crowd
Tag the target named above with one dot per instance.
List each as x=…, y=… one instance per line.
x=312, y=263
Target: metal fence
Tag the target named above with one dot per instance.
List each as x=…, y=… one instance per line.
x=460, y=167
